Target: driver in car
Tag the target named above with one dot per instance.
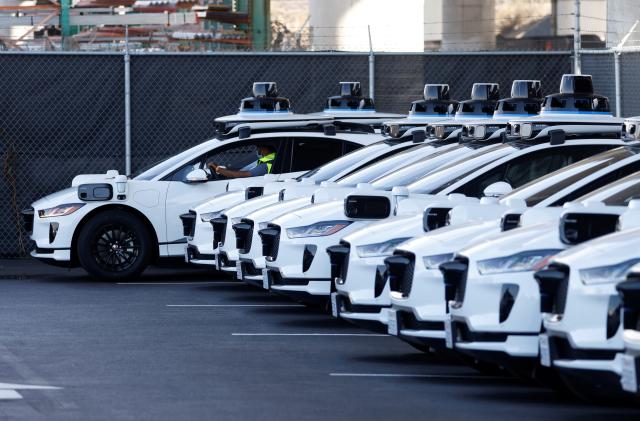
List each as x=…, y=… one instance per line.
x=264, y=164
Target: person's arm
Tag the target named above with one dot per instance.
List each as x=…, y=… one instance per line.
x=227, y=172
x=232, y=173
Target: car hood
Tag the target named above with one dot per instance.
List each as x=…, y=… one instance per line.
x=268, y=213
x=220, y=202
x=450, y=239
x=535, y=237
x=386, y=229
x=68, y=195
x=245, y=207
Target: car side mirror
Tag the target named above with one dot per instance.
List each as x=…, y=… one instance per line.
x=197, y=176
x=497, y=189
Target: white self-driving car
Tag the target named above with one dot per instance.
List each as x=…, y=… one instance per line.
x=197, y=223
x=113, y=226
x=629, y=292
x=582, y=336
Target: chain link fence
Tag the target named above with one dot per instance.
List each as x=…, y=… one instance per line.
x=64, y=114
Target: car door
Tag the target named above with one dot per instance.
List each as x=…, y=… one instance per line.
x=182, y=196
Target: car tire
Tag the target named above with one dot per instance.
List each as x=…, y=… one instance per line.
x=114, y=245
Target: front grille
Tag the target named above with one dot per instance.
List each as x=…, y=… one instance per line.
x=630, y=295
x=435, y=218
x=339, y=259
x=455, y=278
x=244, y=235
x=28, y=216
x=510, y=221
x=553, y=283
x=270, y=241
x=188, y=223
x=219, y=230
x=400, y=268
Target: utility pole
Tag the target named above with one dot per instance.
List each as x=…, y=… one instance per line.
x=577, y=68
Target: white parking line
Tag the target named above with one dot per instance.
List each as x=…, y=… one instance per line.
x=310, y=334
x=182, y=283
x=9, y=391
x=235, y=305
x=426, y=376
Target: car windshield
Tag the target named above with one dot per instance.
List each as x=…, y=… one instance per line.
x=377, y=169
x=153, y=171
x=541, y=188
x=410, y=173
x=338, y=165
x=450, y=174
x=618, y=193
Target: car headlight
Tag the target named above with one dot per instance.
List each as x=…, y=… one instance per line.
x=434, y=261
x=606, y=274
x=519, y=262
x=380, y=249
x=60, y=210
x=319, y=229
x=207, y=217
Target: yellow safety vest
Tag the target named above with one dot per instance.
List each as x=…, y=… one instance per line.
x=267, y=159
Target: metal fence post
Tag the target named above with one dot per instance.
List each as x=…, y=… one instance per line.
x=127, y=104
x=372, y=66
x=577, y=65
x=616, y=72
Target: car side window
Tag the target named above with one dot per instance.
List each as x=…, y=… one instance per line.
x=237, y=156
x=599, y=182
x=527, y=167
x=309, y=153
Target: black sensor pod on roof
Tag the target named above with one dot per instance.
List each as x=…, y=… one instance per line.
x=265, y=98
x=350, y=99
x=484, y=97
x=576, y=96
x=436, y=101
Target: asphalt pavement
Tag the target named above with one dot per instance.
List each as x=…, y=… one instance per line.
x=183, y=344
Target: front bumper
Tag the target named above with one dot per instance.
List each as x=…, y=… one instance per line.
x=199, y=249
x=192, y=254
x=406, y=326
x=499, y=313
x=599, y=370
x=54, y=257
x=371, y=317
x=308, y=291
x=423, y=310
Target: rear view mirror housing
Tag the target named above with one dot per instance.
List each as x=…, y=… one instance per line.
x=197, y=176
x=497, y=189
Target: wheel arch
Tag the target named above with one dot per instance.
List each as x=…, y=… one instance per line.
x=107, y=208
